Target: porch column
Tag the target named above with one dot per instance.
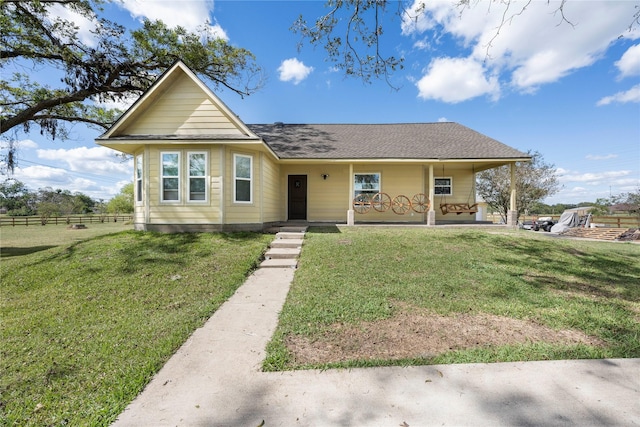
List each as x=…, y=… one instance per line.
x=431, y=214
x=512, y=213
x=146, y=176
x=350, y=211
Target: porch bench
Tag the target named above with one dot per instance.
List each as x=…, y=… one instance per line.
x=458, y=208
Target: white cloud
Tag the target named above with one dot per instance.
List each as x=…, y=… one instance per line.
x=629, y=63
x=443, y=120
x=631, y=95
x=20, y=145
x=217, y=32
x=100, y=160
x=28, y=144
x=187, y=14
x=580, y=187
x=122, y=104
x=601, y=157
x=424, y=15
x=46, y=176
x=85, y=25
x=531, y=48
x=455, y=80
x=293, y=70
x=96, y=172
x=421, y=45
x=591, y=178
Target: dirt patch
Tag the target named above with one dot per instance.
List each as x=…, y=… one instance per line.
x=413, y=333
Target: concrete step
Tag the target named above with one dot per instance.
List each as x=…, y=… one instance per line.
x=289, y=235
x=282, y=253
x=286, y=243
x=293, y=229
x=279, y=263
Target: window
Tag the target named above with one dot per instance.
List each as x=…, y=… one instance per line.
x=170, y=177
x=139, y=178
x=443, y=186
x=366, y=183
x=197, y=177
x=242, y=172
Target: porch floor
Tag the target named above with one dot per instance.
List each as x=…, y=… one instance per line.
x=450, y=223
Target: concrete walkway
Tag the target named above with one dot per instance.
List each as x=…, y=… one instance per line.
x=215, y=380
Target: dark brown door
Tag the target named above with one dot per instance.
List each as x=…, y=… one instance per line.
x=297, y=197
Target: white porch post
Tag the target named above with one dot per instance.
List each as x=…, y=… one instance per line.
x=512, y=213
x=146, y=176
x=431, y=214
x=350, y=211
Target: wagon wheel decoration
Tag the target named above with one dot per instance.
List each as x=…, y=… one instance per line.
x=401, y=205
x=420, y=203
x=362, y=203
x=381, y=202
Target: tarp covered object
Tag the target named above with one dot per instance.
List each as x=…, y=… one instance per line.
x=567, y=220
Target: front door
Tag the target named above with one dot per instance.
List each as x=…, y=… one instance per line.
x=297, y=197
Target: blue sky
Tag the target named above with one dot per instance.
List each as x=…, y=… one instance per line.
x=569, y=91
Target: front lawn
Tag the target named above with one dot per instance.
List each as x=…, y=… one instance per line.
x=86, y=322
x=385, y=296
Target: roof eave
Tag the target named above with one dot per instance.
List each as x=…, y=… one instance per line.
x=503, y=160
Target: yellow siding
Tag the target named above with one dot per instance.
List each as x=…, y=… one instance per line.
x=184, y=109
x=327, y=200
x=462, y=186
x=395, y=180
x=242, y=213
x=138, y=215
x=272, y=197
x=183, y=212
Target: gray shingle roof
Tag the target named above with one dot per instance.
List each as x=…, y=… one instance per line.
x=382, y=141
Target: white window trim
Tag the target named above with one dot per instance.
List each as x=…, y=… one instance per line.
x=250, y=179
x=450, y=178
x=205, y=177
x=162, y=177
x=356, y=191
x=139, y=180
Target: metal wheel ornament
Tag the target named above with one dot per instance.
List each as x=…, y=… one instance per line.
x=381, y=202
x=401, y=205
x=420, y=203
x=362, y=203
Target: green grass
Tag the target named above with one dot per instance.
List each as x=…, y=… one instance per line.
x=21, y=240
x=88, y=317
x=358, y=274
x=87, y=321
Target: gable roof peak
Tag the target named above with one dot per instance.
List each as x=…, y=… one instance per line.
x=162, y=82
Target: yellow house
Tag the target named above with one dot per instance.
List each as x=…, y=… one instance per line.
x=198, y=167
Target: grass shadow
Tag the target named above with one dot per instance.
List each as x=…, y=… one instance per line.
x=19, y=251
x=324, y=229
x=605, y=273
